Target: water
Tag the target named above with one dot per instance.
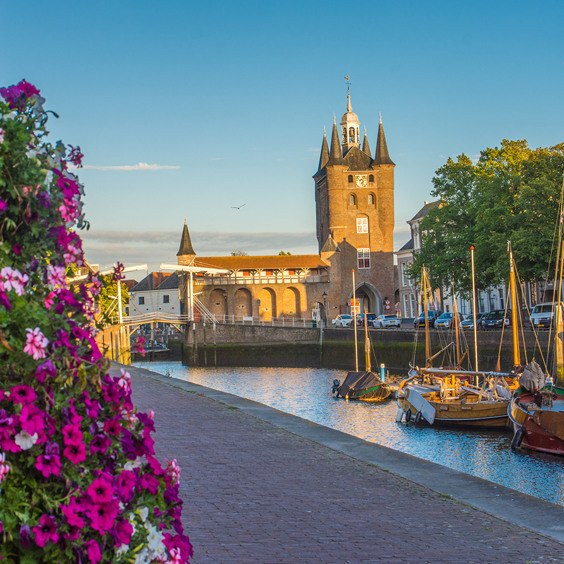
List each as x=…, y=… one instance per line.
x=307, y=394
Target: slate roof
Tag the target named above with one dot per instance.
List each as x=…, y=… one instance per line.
x=407, y=247
x=425, y=210
x=357, y=159
x=151, y=282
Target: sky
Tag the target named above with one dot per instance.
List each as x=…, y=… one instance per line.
x=213, y=113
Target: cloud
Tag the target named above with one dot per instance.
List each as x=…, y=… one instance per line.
x=139, y=166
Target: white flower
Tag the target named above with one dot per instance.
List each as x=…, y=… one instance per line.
x=143, y=557
x=143, y=513
x=24, y=440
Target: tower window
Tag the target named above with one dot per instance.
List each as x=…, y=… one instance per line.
x=352, y=200
x=362, y=225
x=363, y=256
x=370, y=199
x=371, y=178
x=352, y=138
x=350, y=179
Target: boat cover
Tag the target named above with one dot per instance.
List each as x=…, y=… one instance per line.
x=533, y=378
x=358, y=381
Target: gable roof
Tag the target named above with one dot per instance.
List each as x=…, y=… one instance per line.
x=425, y=210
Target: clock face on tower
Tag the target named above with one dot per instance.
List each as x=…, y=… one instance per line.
x=360, y=180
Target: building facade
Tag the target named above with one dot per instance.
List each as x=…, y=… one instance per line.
x=354, y=197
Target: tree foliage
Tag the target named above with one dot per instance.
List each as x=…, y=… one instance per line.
x=512, y=193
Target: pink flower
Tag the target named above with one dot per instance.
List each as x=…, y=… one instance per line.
x=123, y=531
x=75, y=156
x=36, y=343
x=46, y=531
x=103, y=516
x=72, y=435
x=45, y=369
x=22, y=394
x=93, y=550
x=1, y=136
x=49, y=300
x=48, y=464
x=13, y=280
x=150, y=483
x=100, y=491
x=72, y=512
x=126, y=483
x=3, y=206
x=76, y=453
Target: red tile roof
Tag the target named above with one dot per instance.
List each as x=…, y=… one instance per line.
x=262, y=262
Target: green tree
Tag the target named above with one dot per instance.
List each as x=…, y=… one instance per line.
x=108, y=300
x=511, y=194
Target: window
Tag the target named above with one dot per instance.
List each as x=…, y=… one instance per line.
x=370, y=199
x=404, y=276
x=371, y=178
x=165, y=299
x=352, y=200
x=141, y=300
x=363, y=258
x=362, y=225
x=350, y=179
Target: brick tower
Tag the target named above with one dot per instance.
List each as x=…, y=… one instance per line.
x=354, y=197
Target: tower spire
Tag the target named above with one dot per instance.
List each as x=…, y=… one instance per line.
x=186, y=249
x=336, y=156
x=365, y=146
x=382, y=156
x=324, y=157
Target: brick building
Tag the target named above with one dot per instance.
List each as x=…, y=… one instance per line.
x=354, y=195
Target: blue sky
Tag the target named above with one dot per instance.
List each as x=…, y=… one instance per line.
x=225, y=104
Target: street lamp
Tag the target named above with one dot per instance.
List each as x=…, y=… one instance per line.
x=324, y=296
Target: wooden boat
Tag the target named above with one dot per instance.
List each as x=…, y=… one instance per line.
x=443, y=396
x=362, y=386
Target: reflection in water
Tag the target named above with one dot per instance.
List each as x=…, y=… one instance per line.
x=307, y=394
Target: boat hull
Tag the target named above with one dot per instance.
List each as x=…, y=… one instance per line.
x=539, y=429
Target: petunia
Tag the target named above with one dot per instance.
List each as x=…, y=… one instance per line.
x=3, y=206
x=93, y=551
x=48, y=464
x=22, y=394
x=100, y=490
x=24, y=440
x=25, y=535
x=36, y=343
x=103, y=516
x=76, y=453
x=46, y=531
x=45, y=369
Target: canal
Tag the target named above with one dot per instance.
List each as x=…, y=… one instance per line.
x=307, y=394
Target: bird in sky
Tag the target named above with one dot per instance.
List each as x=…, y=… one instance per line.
x=238, y=207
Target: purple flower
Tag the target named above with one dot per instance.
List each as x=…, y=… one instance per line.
x=45, y=369
x=100, y=490
x=48, y=464
x=93, y=550
x=25, y=535
x=22, y=394
x=3, y=206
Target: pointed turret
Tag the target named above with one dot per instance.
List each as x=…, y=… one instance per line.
x=324, y=157
x=365, y=146
x=336, y=156
x=350, y=127
x=186, y=252
x=382, y=156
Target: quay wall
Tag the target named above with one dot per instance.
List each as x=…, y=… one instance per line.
x=231, y=345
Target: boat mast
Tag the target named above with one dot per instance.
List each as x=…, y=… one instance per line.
x=366, y=343
x=559, y=325
x=455, y=326
x=514, y=319
x=354, y=324
x=426, y=306
x=474, y=309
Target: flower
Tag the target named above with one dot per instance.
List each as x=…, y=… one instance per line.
x=75, y=453
x=93, y=551
x=25, y=535
x=46, y=531
x=1, y=135
x=103, y=516
x=3, y=206
x=35, y=343
x=48, y=464
x=100, y=490
x=22, y=394
x=24, y=440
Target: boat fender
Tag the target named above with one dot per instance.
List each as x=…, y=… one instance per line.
x=408, y=416
x=418, y=417
x=517, y=439
x=399, y=415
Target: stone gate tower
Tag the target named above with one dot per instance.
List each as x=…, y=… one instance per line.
x=354, y=197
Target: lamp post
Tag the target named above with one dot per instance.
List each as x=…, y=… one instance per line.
x=324, y=296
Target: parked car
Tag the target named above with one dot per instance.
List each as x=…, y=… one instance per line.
x=383, y=321
x=542, y=315
x=343, y=320
x=446, y=320
x=369, y=318
x=432, y=316
x=468, y=321
x=495, y=319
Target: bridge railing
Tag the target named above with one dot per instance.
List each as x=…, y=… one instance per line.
x=170, y=318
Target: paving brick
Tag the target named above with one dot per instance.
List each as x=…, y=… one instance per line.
x=254, y=492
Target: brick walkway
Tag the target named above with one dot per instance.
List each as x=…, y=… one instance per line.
x=256, y=493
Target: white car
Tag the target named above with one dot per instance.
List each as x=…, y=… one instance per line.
x=383, y=321
x=343, y=320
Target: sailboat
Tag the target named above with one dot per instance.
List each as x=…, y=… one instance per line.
x=536, y=409
x=452, y=396
x=361, y=386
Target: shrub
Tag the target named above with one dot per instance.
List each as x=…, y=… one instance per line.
x=79, y=481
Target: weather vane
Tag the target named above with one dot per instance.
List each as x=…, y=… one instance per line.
x=347, y=78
